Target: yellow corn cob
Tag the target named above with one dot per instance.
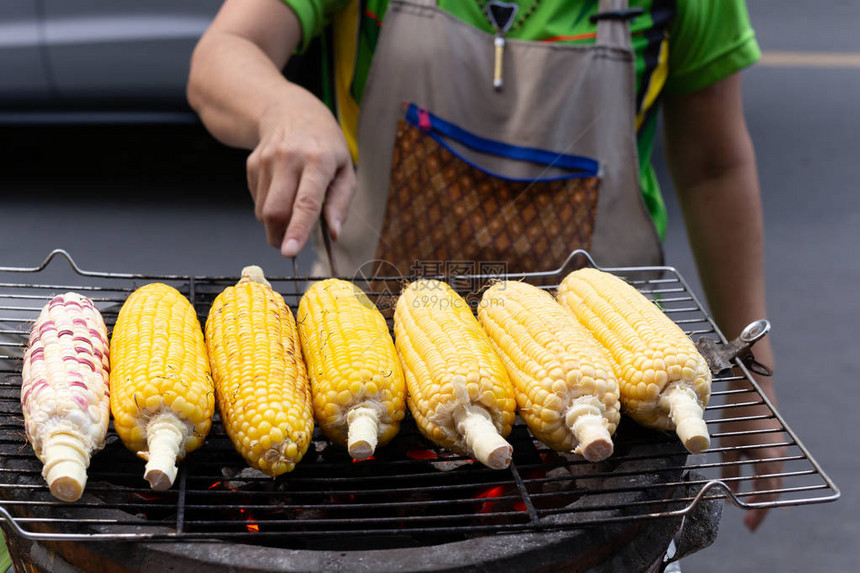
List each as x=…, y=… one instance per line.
x=64, y=391
x=161, y=389
x=665, y=382
x=260, y=379
x=356, y=378
x=565, y=388
x=459, y=393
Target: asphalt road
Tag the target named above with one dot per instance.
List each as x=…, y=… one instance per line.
x=170, y=200
x=806, y=129
x=807, y=146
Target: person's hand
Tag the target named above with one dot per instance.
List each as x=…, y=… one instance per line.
x=760, y=455
x=300, y=167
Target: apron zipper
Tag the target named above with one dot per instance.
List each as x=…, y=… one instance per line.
x=501, y=16
x=500, y=55
x=424, y=120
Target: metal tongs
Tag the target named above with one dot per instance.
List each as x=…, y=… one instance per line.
x=720, y=356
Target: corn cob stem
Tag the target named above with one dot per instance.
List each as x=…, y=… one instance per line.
x=165, y=438
x=363, y=424
x=253, y=273
x=476, y=426
x=686, y=414
x=586, y=420
x=66, y=459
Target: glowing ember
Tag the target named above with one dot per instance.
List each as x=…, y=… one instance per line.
x=251, y=527
x=422, y=454
x=496, y=492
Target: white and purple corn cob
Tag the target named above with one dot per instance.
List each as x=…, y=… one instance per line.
x=65, y=391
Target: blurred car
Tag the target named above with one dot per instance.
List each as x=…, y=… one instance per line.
x=107, y=60
x=98, y=54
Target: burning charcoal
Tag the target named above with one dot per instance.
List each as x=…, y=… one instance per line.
x=495, y=504
x=245, y=478
x=309, y=514
x=557, y=484
x=451, y=465
x=320, y=445
x=454, y=463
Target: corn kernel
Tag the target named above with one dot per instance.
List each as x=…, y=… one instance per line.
x=261, y=380
x=358, y=365
x=551, y=358
x=650, y=354
x=438, y=344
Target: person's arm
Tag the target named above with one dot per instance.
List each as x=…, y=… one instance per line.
x=300, y=160
x=712, y=161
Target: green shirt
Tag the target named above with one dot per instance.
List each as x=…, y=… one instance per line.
x=681, y=46
x=5, y=559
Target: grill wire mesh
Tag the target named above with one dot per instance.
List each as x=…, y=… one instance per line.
x=412, y=492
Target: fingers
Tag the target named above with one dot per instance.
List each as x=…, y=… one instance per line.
x=754, y=517
x=288, y=186
x=767, y=480
x=289, y=182
x=272, y=172
x=302, y=155
x=252, y=172
x=258, y=181
x=731, y=471
x=339, y=197
x=768, y=484
x=306, y=208
x=277, y=207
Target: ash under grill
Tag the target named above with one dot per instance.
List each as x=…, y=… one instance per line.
x=412, y=494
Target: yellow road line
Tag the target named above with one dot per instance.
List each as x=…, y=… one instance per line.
x=810, y=59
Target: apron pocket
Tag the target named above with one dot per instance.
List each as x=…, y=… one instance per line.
x=455, y=196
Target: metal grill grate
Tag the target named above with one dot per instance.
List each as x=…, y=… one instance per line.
x=411, y=492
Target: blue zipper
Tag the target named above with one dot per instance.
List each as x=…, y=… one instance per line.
x=440, y=130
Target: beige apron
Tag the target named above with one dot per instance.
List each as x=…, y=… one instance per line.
x=564, y=99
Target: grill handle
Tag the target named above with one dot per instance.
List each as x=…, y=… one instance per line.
x=720, y=356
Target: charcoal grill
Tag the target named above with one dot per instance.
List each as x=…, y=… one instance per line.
x=404, y=503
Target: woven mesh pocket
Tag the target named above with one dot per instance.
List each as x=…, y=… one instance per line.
x=442, y=208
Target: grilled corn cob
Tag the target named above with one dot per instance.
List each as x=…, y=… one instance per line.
x=161, y=388
x=458, y=390
x=64, y=391
x=665, y=382
x=565, y=388
x=260, y=379
x=356, y=378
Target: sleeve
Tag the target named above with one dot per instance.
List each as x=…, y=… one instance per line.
x=313, y=16
x=708, y=41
